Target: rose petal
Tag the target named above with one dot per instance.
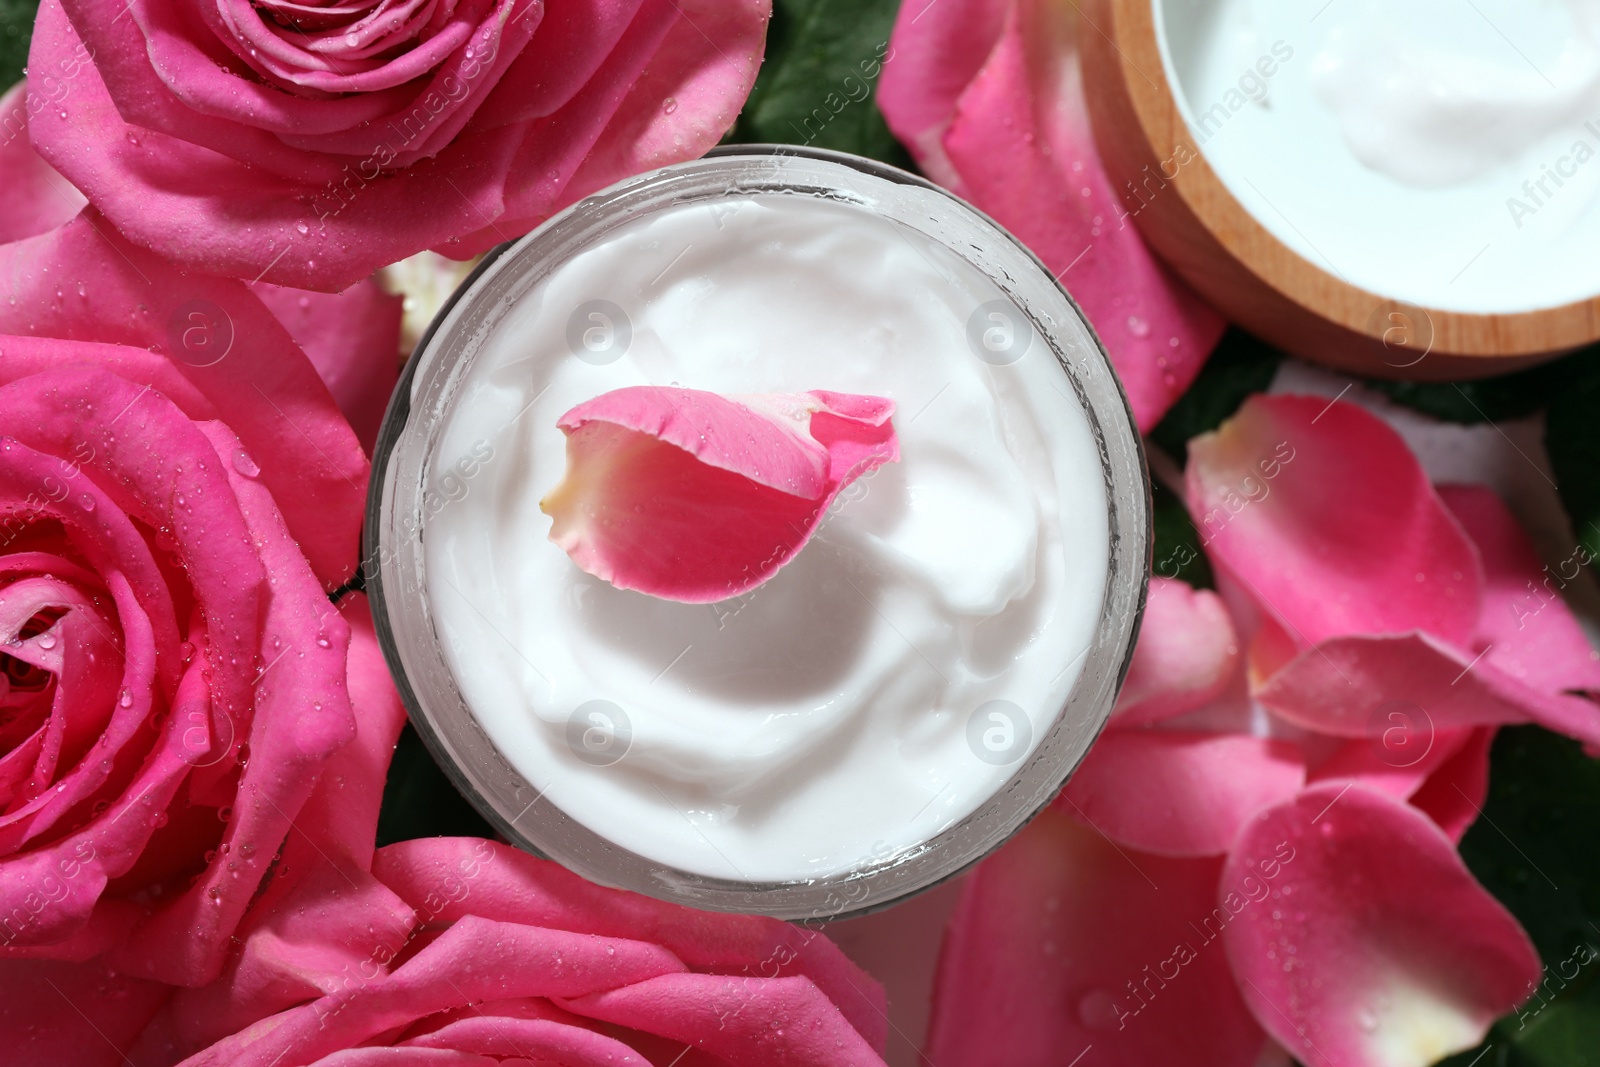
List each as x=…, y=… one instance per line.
x=740, y=1020
x=1323, y=515
x=474, y=960
x=935, y=51
x=1181, y=794
x=294, y=721
x=651, y=470
x=1341, y=686
x=1021, y=144
x=1399, y=757
x=352, y=338
x=1186, y=655
x=1453, y=795
x=1376, y=947
x=37, y=197
x=1063, y=943
x=1529, y=631
x=79, y=1014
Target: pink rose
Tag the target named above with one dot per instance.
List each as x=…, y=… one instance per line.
x=311, y=145
x=1262, y=843
x=322, y=867
x=483, y=954
x=988, y=96
x=352, y=338
x=180, y=493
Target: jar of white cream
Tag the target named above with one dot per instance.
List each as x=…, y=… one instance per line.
x=910, y=685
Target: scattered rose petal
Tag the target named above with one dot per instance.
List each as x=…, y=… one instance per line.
x=1375, y=946
x=1063, y=942
x=1325, y=518
x=1453, y=796
x=1526, y=626
x=1339, y=687
x=1186, y=654
x=1181, y=794
x=691, y=496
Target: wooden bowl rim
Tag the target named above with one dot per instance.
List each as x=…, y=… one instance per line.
x=1143, y=69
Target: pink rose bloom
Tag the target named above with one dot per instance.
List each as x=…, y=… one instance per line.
x=180, y=494
x=324, y=863
x=988, y=97
x=1262, y=844
x=309, y=145
x=459, y=950
x=352, y=338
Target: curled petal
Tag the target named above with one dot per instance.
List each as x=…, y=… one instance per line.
x=1375, y=947
x=1330, y=524
x=1344, y=686
x=1063, y=942
x=1181, y=794
x=692, y=496
x=1186, y=655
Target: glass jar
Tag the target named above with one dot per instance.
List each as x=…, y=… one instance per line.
x=1027, y=756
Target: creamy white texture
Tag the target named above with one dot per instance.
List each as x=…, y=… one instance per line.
x=820, y=721
x=1433, y=151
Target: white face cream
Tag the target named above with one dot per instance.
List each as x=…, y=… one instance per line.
x=1433, y=151
x=887, y=681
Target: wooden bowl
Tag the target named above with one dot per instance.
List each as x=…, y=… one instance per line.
x=1204, y=233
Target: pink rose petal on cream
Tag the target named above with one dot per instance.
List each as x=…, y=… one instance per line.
x=1186, y=654
x=1064, y=946
x=1324, y=517
x=1181, y=794
x=1375, y=947
x=692, y=496
x=1016, y=142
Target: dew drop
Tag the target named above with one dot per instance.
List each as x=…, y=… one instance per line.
x=669, y=105
x=244, y=464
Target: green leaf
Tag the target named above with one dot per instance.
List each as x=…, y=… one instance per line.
x=16, y=32
x=1240, y=366
x=1534, y=849
x=1572, y=439
x=1509, y=396
x=419, y=801
x=1177, y=552
x=818, y=83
